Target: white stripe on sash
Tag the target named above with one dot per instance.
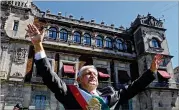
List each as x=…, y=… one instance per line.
x=85, y=95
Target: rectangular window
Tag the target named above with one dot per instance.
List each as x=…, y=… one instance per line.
x=87, y=41
x=163, y=77
x=103, y=74
x=68, y=70
x=123, y=77
x=127, y=105
x=164, y=62
x=99, y=43
x=40, y=102
x=16, y=24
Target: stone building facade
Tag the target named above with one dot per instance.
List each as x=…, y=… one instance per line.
x=176, y=75
x=120, y=55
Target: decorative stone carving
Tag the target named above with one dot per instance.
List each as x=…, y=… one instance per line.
x=93, y=43
x=154, y=32
x=7, y=13
x=20, y=55
x=147, y=20
x=144, y=33
x=145, y=64
x=17, y=74
x=153, y=21
x=3, y=74
x=3, y=18
x=15, y=94
x=17, y=11
x=4, y=47
x=24, y=17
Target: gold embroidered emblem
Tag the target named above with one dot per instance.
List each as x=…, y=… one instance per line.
x=94, y=104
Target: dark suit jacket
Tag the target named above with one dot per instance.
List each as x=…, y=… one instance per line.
x=65, y=96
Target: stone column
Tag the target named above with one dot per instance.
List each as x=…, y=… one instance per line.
x=3, y=61
x=76, y=70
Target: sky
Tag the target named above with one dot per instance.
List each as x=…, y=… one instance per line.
x=122, y=13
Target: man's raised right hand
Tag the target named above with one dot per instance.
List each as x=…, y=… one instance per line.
x=36, y=37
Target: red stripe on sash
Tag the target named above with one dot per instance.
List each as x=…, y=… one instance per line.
x=76, y=93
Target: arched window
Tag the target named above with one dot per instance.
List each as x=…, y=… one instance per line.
x=108, y=42
x=119, y=44
x=99, y=41
x=77, y=37
x=63, y=35
x=129, y=46
x=87, y=39
x=155, y=43
x=125, y=46
x=53, y=33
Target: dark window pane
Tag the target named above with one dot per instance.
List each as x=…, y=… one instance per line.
x=16, y=24
x=155, y=43
x=77, y=37
x=99, y=41
x=119, y=44
x=63, y=35
x=40, y=102
x=129, y=47
x=125, y=46
x=108, y=43
x=53, y=33
x=87, y=39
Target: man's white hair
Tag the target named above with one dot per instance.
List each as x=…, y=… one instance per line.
x=86, y=67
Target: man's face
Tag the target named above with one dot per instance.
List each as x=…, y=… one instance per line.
x=89, y=79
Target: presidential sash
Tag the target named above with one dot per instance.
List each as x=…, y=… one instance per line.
x=88, y=101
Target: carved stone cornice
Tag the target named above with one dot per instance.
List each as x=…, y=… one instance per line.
x=149, y=21
x=17, y=74
x=153, y=32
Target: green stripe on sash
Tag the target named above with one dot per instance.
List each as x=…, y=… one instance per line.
x=103, y=104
